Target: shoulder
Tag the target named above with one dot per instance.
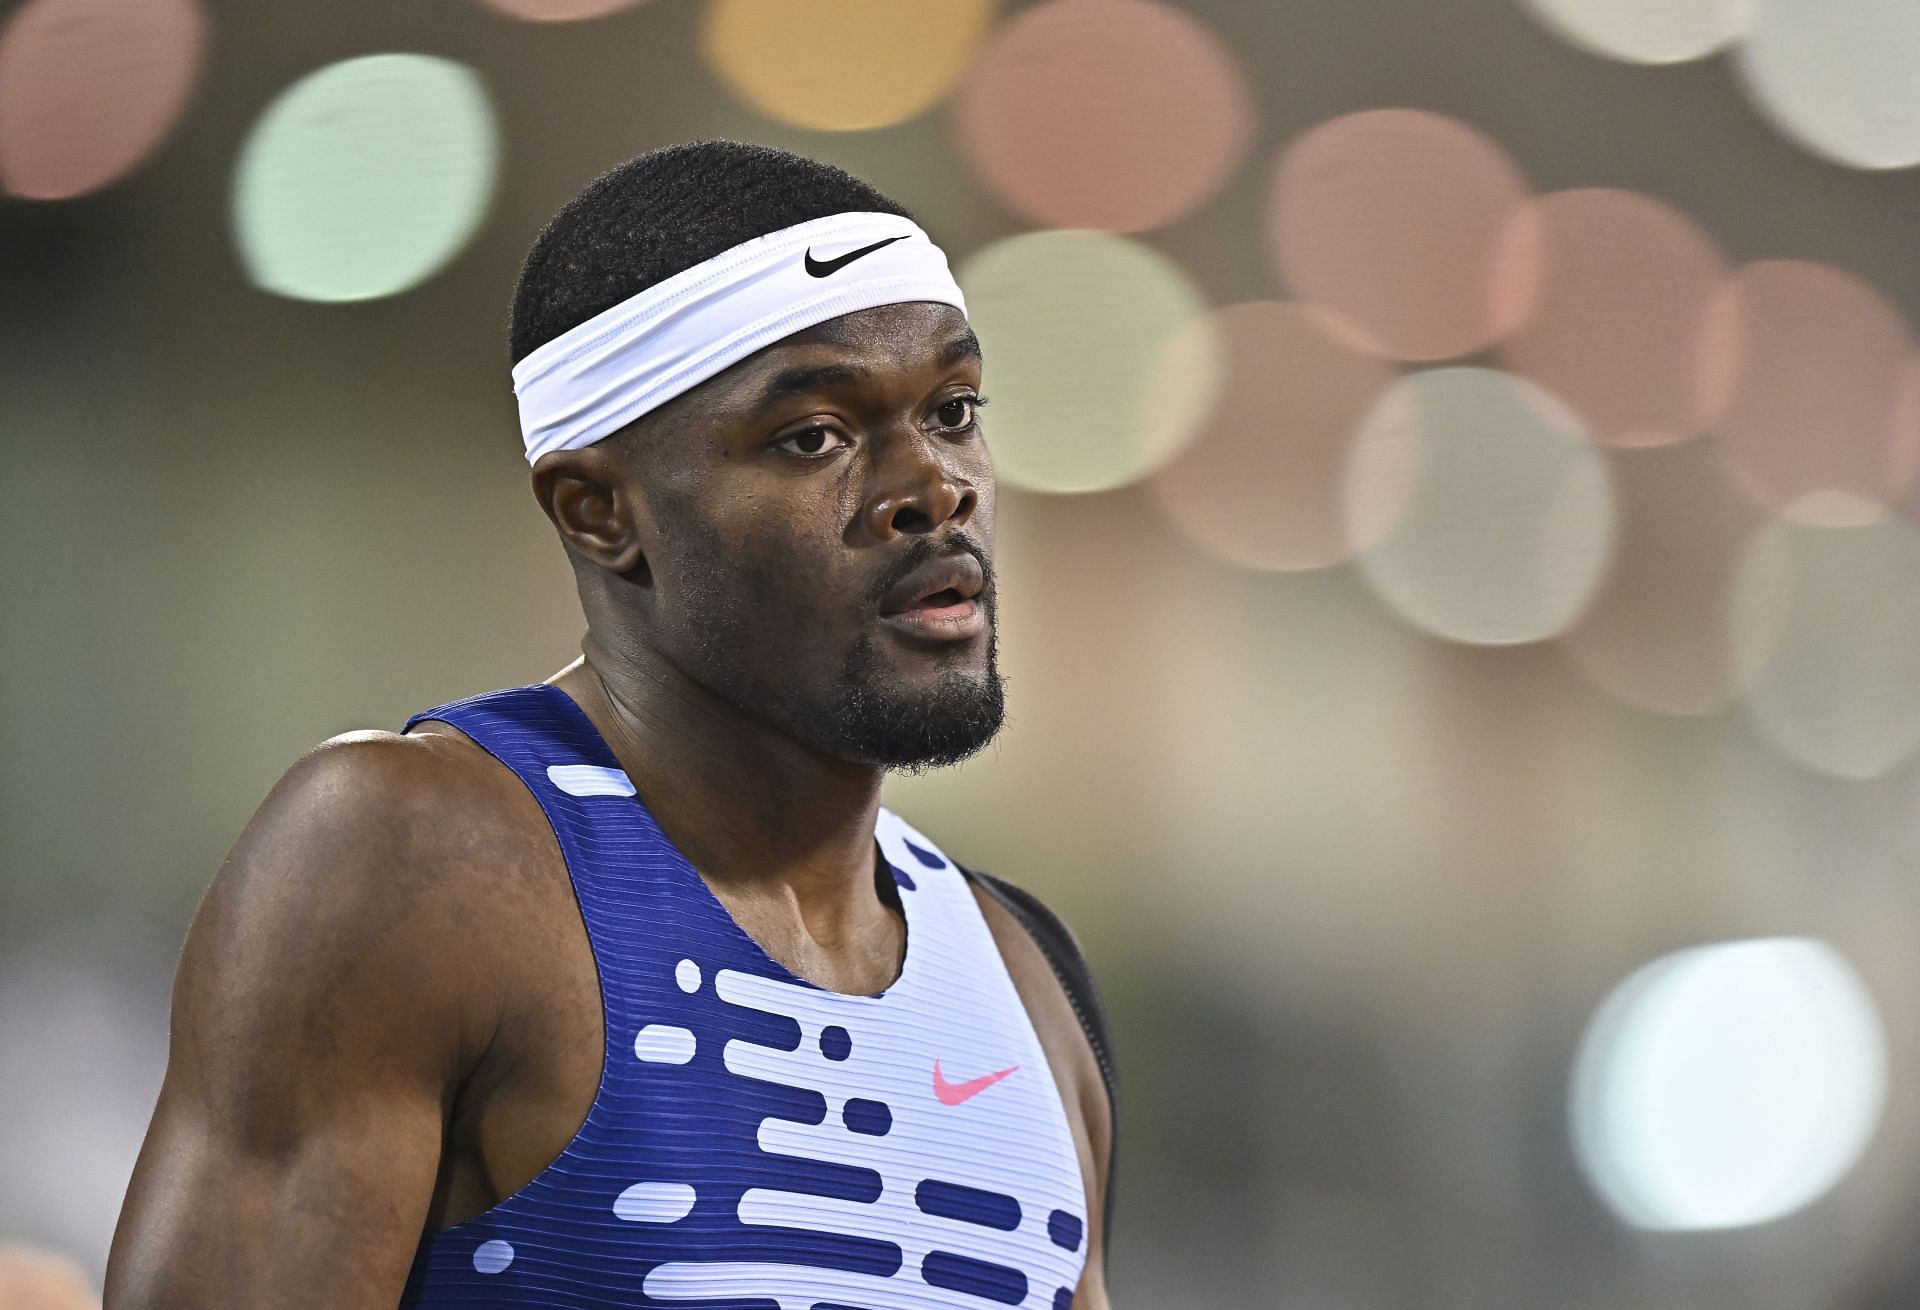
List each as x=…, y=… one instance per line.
x=1025, y=906
x=371, y=821
x=378, y=869
x=417, y=790
x=1045, y=958
x=341, y=983
x=1048, y=968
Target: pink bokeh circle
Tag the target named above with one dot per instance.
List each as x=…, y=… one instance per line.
x=90, y=88
x=1260, y=486
x=1823, y=419
x=1116, y=115
x=1410, y=231
x=1623, y=327
x=559, y=11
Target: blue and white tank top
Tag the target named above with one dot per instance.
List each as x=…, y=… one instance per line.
x=758, y=1142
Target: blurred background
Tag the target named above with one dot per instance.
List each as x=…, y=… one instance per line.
x=1458, y=534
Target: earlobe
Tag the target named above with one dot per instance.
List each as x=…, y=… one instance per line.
x=594, y=509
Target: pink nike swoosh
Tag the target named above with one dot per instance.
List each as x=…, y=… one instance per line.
x=955, y=1093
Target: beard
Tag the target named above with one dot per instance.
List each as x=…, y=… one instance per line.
x=873, y=719
x=866, y=712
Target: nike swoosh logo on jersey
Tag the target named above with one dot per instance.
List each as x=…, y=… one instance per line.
x=955, y=1093
x=824, y=267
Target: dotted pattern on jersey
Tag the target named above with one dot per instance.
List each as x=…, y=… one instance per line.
x=758, y=1142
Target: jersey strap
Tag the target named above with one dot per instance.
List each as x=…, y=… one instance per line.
x=1062, y=949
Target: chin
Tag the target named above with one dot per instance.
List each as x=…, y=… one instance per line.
x=891, y=718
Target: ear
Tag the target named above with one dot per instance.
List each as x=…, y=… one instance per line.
x=590, y=496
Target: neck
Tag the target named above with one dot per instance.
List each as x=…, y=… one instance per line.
x=756, y=812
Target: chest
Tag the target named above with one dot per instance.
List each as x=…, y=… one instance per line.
x=684, y=1106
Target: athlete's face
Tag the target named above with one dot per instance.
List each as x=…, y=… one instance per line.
x=822, y=538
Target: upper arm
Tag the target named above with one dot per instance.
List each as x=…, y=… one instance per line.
x=320, y=1026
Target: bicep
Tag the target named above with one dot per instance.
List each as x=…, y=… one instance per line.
x=328, y=1218
x=315, y=1043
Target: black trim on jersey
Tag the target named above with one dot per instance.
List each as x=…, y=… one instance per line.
x=1062, y=949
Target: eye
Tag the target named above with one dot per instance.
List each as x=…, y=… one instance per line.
x=960, y=413
x=810, y=442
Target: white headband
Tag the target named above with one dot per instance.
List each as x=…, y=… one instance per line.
x=594, y=379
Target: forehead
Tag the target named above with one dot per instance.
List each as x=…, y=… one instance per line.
x=889, y=343
x=908, y=331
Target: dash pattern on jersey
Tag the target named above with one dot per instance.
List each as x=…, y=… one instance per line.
x=758, y=1142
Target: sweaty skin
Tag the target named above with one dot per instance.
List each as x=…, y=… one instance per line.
x=386, y=1017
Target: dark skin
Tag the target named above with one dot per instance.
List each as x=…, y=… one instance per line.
x=387, y=1017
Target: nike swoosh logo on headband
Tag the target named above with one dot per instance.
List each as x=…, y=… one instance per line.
x=825, y=267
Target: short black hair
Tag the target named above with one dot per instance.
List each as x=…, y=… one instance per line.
x=662, y=213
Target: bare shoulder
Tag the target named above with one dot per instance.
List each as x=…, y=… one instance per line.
x=374, y=827
x=380, y=869
x=342, y=978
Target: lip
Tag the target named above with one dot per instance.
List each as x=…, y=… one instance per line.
x=962, y=620
x=947, y=623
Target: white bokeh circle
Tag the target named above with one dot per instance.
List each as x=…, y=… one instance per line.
x=1826, y=636
x=1728, y=1084
x=1483, y=511
x=1839, y=77
x=1646, y=31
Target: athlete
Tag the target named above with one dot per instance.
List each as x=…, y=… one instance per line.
x=623, y=989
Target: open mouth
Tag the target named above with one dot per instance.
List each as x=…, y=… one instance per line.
x=939, y=600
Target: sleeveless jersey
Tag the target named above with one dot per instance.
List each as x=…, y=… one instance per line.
x=758, y=1142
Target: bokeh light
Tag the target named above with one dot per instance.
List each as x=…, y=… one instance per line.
x=365, y=177
x=1837, y=76
x=1099, y=363
x=1827, y=638
x=559, y=11
x=1658, y=635
x=1621, y=329
x=89, y=88
x=1491, y=512
x=36, y=1279
x=1260, y=486
x=1824, y=419
x=843, y=65
x=1729, y=1084
x=1300, y=834
x=1120, y=115
x=83, y=1044
x=1410, y=230
x=1646, y=31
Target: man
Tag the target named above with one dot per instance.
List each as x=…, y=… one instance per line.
x=622, y=989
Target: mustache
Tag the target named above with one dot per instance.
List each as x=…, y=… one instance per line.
x=923, y=549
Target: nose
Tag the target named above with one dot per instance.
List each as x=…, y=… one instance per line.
x=914, y=493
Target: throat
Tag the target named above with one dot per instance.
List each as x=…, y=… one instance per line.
x=861, y=960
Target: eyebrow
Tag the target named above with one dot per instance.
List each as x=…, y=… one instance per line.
x=801, y=381
x=963, y=347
